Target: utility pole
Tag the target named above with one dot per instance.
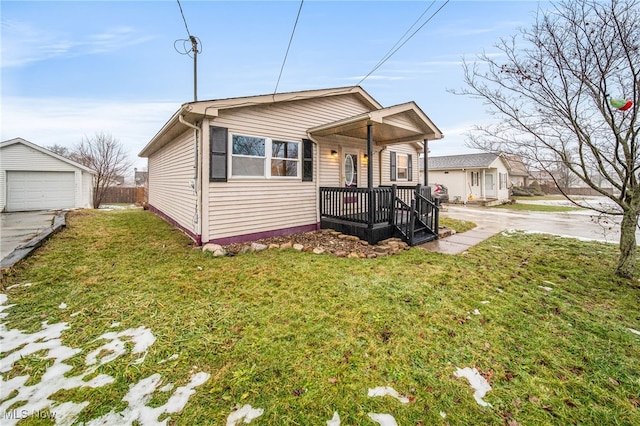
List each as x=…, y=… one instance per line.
x=194, y=49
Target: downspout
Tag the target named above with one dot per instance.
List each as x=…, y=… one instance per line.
x=425, y=158
x=370, y=174
x=380, y=163
x=196, y=181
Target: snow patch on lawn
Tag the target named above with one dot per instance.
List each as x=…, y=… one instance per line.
x=244, y=414
x=35, y=398
x=141, y=393
x=477, y=382
x=141, y=337
x=335, y=420
x=388, y=391
x=171, y=358
x=383, y=419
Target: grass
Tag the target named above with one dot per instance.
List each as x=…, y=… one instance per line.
x=456, y=224
x=304, y=335
x=536, y=207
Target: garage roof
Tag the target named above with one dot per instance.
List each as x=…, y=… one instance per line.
x=31, y=145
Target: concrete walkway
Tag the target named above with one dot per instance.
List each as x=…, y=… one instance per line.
x=22, y=233
x=585, y=225
x=459, y=243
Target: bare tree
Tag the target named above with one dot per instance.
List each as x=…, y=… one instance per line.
x=105, y=155
x=563, y=176
x=550, y=90
x=60, y=150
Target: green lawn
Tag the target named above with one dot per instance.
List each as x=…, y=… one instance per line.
x=536, y=207
x=302, y=336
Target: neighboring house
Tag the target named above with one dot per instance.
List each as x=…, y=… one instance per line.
x=469, y=177
x=240, y=169
x=140, y=178
x=543, y=178
x=34, y=178
x=519, y=175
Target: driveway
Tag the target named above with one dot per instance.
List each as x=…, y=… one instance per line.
x=18, y=228
x=582, y=224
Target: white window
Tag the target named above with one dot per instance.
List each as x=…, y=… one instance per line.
x=247, y=155
x=250, y=156
x=503, y=180
x=284, y=158
x=403, y=167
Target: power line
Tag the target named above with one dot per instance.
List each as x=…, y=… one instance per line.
x=393, y=51
x=405, y=33
x=288, y=47
x=183, y=19
x=194, y=48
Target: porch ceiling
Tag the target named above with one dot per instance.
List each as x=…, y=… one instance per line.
x=396, y=124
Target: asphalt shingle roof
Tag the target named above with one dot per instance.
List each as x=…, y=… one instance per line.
x=465, y=161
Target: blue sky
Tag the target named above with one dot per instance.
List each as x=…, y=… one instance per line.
x=70, y=69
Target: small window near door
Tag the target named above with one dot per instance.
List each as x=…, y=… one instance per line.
x=503, y=180
x=403, y=167
x=475, y=178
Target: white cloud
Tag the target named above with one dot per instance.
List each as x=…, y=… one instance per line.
x=24, y=43
x=65, y=121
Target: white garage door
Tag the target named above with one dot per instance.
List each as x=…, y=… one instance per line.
x=40, y=191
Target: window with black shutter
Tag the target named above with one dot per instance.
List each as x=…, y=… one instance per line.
x=218, y=153
x=410, y=166
x=307, y=160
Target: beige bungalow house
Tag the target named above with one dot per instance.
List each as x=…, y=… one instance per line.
x=472, y=177
x=241, y=169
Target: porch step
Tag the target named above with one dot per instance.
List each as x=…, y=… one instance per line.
x=423, y=237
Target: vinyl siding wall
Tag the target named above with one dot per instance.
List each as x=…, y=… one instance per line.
x=19, y=157
x=243, y=206
x=170, y=171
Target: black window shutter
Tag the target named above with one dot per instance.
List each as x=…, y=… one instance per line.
x=409, y=167
x=218, y=141
x=307, y=160
x=392, y=165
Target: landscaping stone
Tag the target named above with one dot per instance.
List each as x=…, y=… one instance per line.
x=325, y=241
x=258, y=247
x=216, y=249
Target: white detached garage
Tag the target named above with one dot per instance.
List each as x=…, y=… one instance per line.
x=34, y=178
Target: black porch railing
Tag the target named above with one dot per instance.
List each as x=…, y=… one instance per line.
x=353, y=204
x=410, y=210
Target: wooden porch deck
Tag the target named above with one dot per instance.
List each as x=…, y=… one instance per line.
x=375, y=214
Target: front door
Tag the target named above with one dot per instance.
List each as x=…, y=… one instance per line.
x=350, y=178
x=350, y=170
x=489, y=185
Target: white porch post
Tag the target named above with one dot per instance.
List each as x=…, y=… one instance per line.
x=483, y=187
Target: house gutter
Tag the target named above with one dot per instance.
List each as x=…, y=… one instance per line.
x=196, y=181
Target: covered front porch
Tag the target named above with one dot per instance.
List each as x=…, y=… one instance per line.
x=382, y=209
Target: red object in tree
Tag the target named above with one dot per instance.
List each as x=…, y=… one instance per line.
x=626, y=106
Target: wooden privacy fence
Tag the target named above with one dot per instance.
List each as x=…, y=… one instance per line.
x=136, y=195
